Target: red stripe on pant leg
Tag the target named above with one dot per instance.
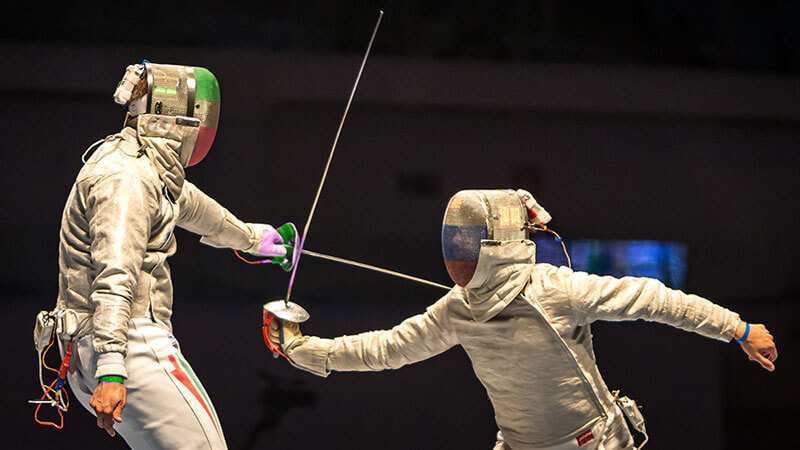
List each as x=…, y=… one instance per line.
x=180, y=375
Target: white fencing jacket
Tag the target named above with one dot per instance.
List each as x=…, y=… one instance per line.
x=117, y=231
x=541, y=377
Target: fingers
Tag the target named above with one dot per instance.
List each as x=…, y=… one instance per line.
x=105, y=421
x=271, y=234
x=289, y=331
x=768, y=350
x=107, y=424
x=765, y=363
x=108, y=403
x=764, y=357
x=274, y=333
x=771, y=353
x=118, y=410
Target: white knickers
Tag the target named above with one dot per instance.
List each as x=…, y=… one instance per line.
x=167, y=407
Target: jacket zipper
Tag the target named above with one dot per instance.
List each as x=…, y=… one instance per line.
x=587, y=385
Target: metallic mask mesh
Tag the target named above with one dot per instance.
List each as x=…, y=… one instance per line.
x=475, y=215
x=171, y=89
x=189, y=92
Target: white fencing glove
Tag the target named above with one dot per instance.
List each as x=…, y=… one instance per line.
x=283, y=332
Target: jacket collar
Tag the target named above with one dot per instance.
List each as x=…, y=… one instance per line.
x=163, y=139
x=504, y=269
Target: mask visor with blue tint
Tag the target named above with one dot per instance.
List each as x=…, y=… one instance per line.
x=473, y=216
x=461, y=246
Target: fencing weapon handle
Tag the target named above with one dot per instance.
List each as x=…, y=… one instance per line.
x=374, y=268
x=330, y=156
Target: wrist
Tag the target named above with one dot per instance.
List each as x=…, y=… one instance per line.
x=738, y=330
x=742, y=332
x=105, y=379
x=111, y=363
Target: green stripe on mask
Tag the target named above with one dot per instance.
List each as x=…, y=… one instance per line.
x=207, y=85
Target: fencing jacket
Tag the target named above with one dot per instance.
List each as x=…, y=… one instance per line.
x=537, y=366
x=117, y=233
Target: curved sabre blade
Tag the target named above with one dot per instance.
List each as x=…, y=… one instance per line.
x=330, y=158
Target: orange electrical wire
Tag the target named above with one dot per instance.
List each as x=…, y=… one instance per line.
x=60, y=414
x=44, y=364
x=66, y=397
x=48, y=389
x=44, y=353
x=246, y=260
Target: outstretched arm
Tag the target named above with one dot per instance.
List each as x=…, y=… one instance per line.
x=595, y=297
x=202, y=215
x=415, y=339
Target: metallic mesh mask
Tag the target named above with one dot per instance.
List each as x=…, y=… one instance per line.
x=186, y=92
x=476, y=215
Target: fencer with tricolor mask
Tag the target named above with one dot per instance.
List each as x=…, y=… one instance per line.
x=167, y=96
x=475, y=216
x=117, y=233
x=526, y=327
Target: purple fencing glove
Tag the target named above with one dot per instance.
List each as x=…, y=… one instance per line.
x=273, y=246
x=271, y=242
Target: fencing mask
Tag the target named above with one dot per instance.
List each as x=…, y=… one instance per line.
x=476, y=215
x=190, y=94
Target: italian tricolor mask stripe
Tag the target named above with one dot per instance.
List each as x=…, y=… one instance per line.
x=206, y=108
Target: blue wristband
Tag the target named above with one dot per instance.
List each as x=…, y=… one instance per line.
x=746, y=332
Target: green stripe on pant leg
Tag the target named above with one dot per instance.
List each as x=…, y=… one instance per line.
x=199, y=387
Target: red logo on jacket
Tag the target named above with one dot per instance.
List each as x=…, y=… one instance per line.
x=585, y=437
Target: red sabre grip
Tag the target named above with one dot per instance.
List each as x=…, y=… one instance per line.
x=268, y=318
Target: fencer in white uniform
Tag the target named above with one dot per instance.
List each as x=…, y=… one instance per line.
x=117, y=231
x=506, y=308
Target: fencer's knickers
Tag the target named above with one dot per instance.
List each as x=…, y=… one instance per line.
x=615, y=435
x=167, y=407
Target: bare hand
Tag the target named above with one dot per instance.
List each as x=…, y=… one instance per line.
x=291, y=331
x=759, y=346
x=108, y=401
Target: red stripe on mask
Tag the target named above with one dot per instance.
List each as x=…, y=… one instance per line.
x=204, y=140
x=461, y=271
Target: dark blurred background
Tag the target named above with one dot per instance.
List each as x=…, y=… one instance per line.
x=676, y=121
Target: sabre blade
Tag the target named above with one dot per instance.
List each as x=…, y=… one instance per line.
x=330, y=156
x=373, y=268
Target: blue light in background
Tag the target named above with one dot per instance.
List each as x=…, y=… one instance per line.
x=665, y=261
